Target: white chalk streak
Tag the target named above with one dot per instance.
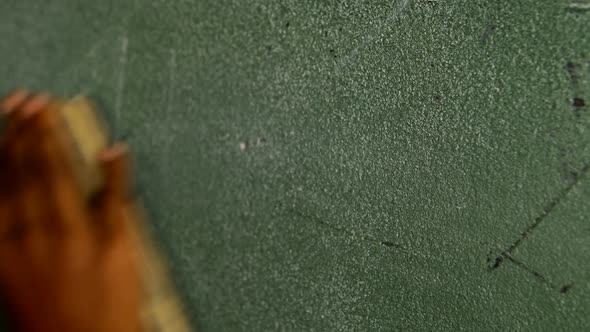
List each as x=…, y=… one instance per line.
x=121, y=78
x=579, y=6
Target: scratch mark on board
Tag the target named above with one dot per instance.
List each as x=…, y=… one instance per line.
x=540, y=218
x=533, y=272
x=351, y=233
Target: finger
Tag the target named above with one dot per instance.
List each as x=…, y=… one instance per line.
x=113, y=198
x=42, y=167
x=35, y=147
x=22, y=105
x=7, y=180
x=115, y=165
x=9, y=228
x=19, y=107
x=35, y=104
x=20, y=164
x=56, y=174
x=9, y=104
x=49, y=143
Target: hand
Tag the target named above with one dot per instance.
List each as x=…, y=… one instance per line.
x=65, y=264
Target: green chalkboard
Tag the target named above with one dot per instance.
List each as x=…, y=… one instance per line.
x=347, y=165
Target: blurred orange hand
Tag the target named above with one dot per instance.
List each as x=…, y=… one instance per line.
x=65, y=264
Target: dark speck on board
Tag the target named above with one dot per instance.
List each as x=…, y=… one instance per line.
x=260, y=141
x=571, y=70
x=497, y=262
x=390, y=244
x=579, y=102
x=488, y=32
x=565, y=289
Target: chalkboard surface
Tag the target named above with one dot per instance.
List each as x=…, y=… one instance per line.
x=343, y=165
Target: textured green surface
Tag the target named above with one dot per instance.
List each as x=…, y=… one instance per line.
x=344, y=165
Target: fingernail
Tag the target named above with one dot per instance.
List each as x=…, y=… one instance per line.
x=35, y=105
x=13, y=100
x=114, y=152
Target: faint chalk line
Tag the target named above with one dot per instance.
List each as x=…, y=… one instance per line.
x=81, y=60
x=102, y=39
x=380, y=28
x=579, y=6
x=171, y=80
x=167, y=98
x=122, y=75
